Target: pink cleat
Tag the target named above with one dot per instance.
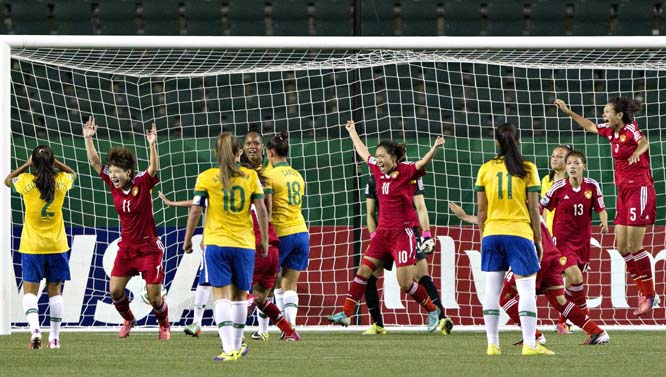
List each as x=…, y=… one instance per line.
x=294, y=337
x=644, y=305
x=126, y=328
x=165, y=331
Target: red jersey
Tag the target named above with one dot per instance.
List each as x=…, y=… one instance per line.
x=394, y=194
x=572, y=224
x=549, y=249
x=623, y=145
x=272, y=236
x=418, y=189
x=135, y=208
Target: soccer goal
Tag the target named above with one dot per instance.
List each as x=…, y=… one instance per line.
x=407, y=89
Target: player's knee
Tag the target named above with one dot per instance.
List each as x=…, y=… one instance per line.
x=117, y=294
x=155, y=301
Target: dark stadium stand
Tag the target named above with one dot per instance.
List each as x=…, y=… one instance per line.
x=72, y=17
x=203, y=18
x=548, y=18
x=292, y=17
x=463, y=18
x=117, y=17
x=162, y=17
x=422, y=17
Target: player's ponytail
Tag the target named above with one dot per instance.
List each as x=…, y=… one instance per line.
x=226, y=149
x=508, y=139
x=279, y=144
x=627, y=106
x=43, y=161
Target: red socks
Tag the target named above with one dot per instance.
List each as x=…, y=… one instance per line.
x=272, y=312
x=356, y=290
x=122, y=306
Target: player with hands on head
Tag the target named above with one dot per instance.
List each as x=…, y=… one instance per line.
x=43, y=246
x=394, y=237
x=140, y=250
x=636, y=206
x=508, y=189
x=229, y=191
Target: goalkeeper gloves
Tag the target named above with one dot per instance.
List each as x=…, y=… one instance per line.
x=426, y=243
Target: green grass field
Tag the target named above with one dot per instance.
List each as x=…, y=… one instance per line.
x=334, y=354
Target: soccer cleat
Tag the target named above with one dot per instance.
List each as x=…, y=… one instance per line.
x=375, y=330
x=231, y=356
x=36, y=342
x=165, y=332
x=597, y=339
x=193, y=330
x=644, y=306
x=54, y=343
x=536, y=351
x=340, y=318
x=294, y=337
x=563, y=328
x=243, y=350
x=541, y=339
x=433, y=320
x=493, y=350
x=126, y=328
x=259, y=336
x=445, y=325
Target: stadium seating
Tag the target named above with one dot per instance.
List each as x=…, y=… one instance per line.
x=505, y=17
x=548, y=18
x=247, y=17
x=30, y=16
x=117, y=17
x=333, y=17
x=203, y=17
x=636, y=18
x=291, y=17
x=72, y=17
x=420, y=17
x=463, y=18
x=378, y=18
x=161, y=18
x=591, y=17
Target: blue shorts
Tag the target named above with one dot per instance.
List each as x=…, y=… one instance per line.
x=295, y=251
x=53, y=267
x=228, y=265
x=202, y=276
x=498, y=253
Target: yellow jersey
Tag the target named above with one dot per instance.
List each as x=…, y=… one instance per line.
x=43, y=228
x=546, y=184
x=507, y=198
x=228, y=218
x=288, y=190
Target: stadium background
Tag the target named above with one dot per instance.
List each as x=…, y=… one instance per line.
x=317, y=18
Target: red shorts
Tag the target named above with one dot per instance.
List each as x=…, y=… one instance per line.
x=574, y=256
x=399, y=244
x=266, y=268
x=636, y=206
x=146, y=261
x=550, y=274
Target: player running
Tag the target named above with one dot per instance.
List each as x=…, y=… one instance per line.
x=140, y=251
x=43, y=244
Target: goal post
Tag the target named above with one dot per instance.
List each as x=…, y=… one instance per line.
x=410, y=89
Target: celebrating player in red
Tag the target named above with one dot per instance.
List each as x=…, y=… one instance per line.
x=140, y=251
x=574, y=199
x=636, y=197
x=548, y=282
x=394, y=236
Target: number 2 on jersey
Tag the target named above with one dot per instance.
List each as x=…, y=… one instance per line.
x=46, y=213
x=500, y=186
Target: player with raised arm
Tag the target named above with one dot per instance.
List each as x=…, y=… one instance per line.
x=43, y=244
x=394, y=237
x=425, y=245
x=202, y=293
x=288, y=190
x=636, y=197
x=574, y=199
x=229, y=191
x=508, y=189
x=549, y=282
x=140, y=250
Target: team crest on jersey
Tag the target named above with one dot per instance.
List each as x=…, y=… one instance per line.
x=395, y=174
x=623, y=138
x=563, y=261
x=135, y=191
x=588, y=194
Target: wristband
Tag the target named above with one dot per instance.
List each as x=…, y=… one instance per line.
x=426, y=234
x=373, y=234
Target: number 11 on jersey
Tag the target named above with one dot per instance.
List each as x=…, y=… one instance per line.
x=500, y=186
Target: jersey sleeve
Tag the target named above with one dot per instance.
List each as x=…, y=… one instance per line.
x=145, y=180
x=635, y=133
x=604, y=130
x=18, y=183
x=106, y=177
x=372, y=164
x=547, y=201
x=598, y=198
x=480, y=184
x=200, y=192
x=533, y=181
x=257, y=190
x=66, y=179
x=268, y=185
x=420, y=187
x=371, y=188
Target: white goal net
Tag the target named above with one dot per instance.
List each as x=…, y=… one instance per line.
x=409, y=95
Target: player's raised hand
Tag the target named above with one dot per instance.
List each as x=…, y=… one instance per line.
x=457, y=210
x=151, y=135
x=164, y=198
x=440, y=141
x=563, y=106
x=89, y=127
x=350, y=126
